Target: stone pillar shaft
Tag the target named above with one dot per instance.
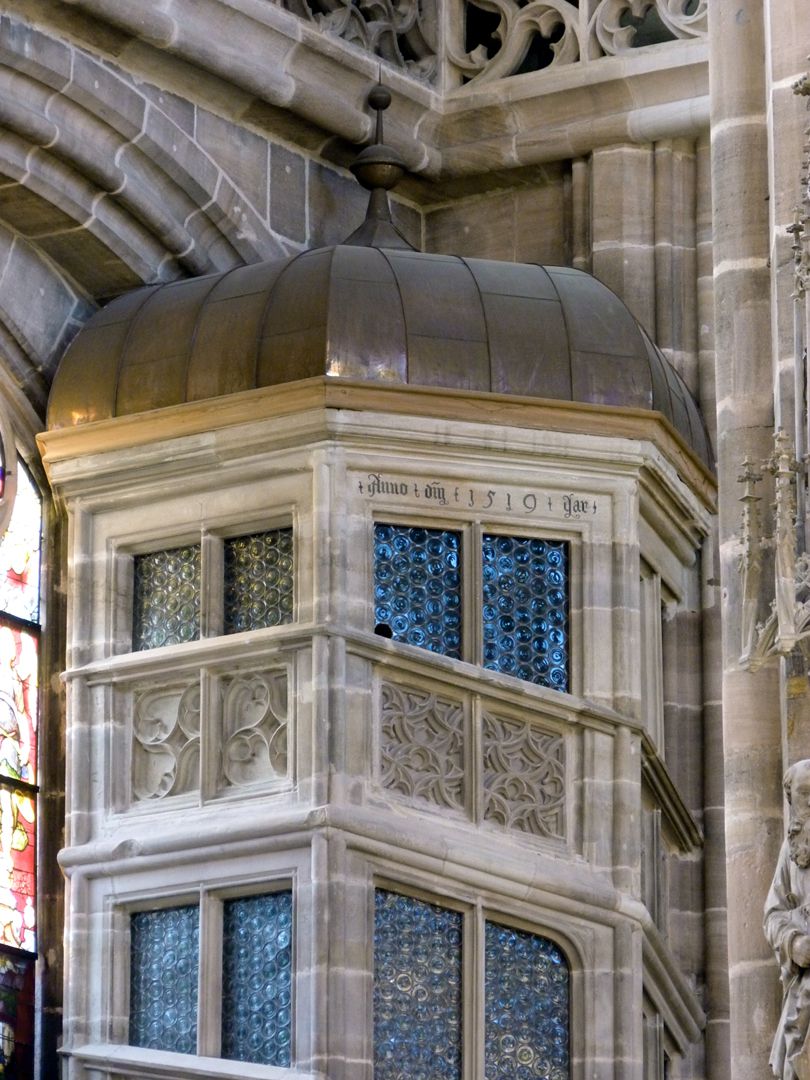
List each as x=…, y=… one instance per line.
x=751, y=713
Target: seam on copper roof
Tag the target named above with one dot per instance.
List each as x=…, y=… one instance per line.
x=153, y=291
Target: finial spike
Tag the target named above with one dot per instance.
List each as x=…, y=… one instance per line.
x=378, y=168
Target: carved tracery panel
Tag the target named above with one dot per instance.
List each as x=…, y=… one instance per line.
x=403, y=32
x=165, y=742
x=514, y=37
x=422, y=746
x=523, y=776
x=254, y=728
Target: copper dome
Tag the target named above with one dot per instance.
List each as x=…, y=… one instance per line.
x=366, y=313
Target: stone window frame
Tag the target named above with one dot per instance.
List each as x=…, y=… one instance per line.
x=209, y=897
x=201, y=659
x=476, y=912
x=212, y=539
x=471, y=528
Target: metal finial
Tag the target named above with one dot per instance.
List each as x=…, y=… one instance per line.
x=378, y=166
x=378, y=169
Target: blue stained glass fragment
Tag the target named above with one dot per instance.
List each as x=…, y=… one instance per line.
x=526, y=1004
x=417, y=586
x=525, y=608
x=164, y=955
x=257, y=979
x=417, y=989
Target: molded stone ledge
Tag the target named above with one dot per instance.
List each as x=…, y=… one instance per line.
x=284, y=61
x=129, y=1062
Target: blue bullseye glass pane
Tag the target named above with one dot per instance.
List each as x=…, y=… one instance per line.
x=417, y=586
x=417, y=989
x=258, y=580
x=164, y=954
x=166, y=605
x=525, y=608
x=526, y=1006
x=257, y=979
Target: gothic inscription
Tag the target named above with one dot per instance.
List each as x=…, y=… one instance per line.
x=568, y=505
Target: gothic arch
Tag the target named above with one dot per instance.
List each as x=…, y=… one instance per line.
x=100, y=190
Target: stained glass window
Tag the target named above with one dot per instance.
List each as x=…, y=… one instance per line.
x=417, y=989
x=16, y=1015
x=525, y=608
x=417, y=586
x=19, y=648
x=164, y=956
x=19, y=553
x=257, y=977
x=258, y=580
x=526, y=1005
x=19, y=644
x=166, y=606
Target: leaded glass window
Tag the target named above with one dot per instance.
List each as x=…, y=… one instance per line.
x=166, y=606
x=525, y=608
x=417, y=586
x=523, y=604
x=254, y=576
x=256, y=976
x=164, y=956
x=248, y=943
x=526, y=1005
x=258, y=580
x=419, y=995
x=417, y=989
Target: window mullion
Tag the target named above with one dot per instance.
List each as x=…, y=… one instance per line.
x=210, y=725
x=473, y=594
x=212, y=617
x=209, y=994
x=474, y=994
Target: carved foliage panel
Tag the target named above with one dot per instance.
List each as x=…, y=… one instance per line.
x=422, y=746
x=523, y=776
x=427, y=756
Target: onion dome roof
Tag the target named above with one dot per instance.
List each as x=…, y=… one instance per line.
x=380, y=314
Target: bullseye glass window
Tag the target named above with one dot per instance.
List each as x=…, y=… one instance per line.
x=258, y=580
x=419, y=996
x=253, y=575
x=526, y=995
x=242, y=945
x=256, y=974
x=417, y=586
x=166, y=606
x=525, y=608
x=417, y=989
x=164, y=947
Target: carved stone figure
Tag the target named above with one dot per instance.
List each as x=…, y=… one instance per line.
x=787, y=928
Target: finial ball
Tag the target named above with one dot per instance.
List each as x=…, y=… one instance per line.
x=379, y=97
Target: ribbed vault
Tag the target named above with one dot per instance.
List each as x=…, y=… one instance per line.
x=100, y=190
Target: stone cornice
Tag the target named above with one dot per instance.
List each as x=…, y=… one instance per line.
x=60, y=446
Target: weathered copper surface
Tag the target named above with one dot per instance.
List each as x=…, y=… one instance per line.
x=368, y=313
